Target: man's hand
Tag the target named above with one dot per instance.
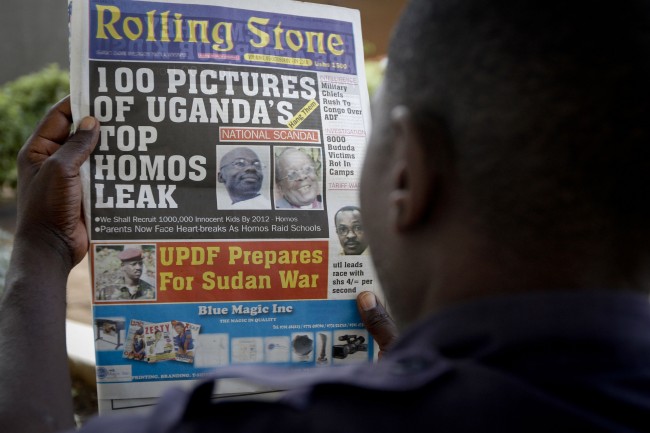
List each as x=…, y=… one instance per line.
x=49, y=186
x=377, y=321
x=50, y=239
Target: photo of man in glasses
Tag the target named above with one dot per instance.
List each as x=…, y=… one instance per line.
x=349, y=229
x=242, y=173
x=297, y=179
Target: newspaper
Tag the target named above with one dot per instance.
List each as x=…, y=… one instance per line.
x=221, y=200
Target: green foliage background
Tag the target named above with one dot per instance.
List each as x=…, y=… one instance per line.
x=374, y=74
x=22, y=104
x=24, y=101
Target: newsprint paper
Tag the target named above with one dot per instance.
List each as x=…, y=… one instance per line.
x=221, y=200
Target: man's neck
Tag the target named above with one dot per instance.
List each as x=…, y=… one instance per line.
x=131, y=282
x=458, y=266
x=237, y=199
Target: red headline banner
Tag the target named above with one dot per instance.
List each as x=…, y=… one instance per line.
x=241, y=271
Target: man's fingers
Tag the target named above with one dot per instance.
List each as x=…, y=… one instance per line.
x=55, y=126
x=376, y=320
x=79, y=146
x=51, y=132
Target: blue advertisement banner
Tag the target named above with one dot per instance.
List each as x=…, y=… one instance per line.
x=283, y=333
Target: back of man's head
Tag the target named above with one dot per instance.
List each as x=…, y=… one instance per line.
x=545, y=105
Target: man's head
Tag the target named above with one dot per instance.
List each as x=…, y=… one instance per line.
x=241, y=171
x=510, y=141
x=131, y=259
x=349, y=228
x=296, y=177
x=179, y=327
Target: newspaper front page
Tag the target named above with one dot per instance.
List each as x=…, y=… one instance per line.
x=221, y=200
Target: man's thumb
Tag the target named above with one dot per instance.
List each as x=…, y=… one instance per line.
x=376, y=320
x=78, y=147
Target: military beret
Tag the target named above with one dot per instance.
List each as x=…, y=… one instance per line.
x=130, y=254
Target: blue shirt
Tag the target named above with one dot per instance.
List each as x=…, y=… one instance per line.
x=179, y=340
x=537, y=362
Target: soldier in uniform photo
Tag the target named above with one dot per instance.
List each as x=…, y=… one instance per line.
x=133, y=287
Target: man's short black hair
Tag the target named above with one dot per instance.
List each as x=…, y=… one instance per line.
x=545, y=104
x=347, y=209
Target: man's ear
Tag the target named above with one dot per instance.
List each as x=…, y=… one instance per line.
x=220, y=178
x=415, y=173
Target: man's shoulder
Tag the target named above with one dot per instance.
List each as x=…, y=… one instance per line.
x=472, y=369
x=121, y=292
x=320, y=400
x=409, y=394
x=282, y=203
